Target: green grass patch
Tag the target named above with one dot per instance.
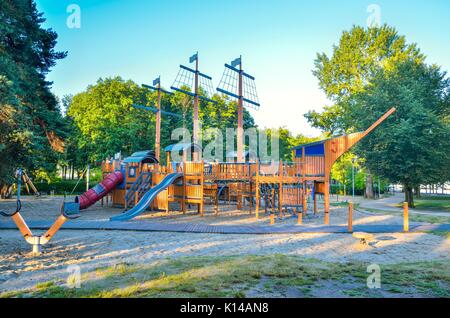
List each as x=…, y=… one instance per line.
x=272, y=275
x=439, y=205
x=445, y=234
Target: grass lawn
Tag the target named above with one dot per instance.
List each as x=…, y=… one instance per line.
x=251, y=276
x=438, y=205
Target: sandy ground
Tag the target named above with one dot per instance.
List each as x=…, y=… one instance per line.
x=93, y=249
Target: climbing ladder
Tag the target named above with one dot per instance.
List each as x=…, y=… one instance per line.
x=142, y=184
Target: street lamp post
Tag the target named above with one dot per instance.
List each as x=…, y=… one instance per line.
x=353, y=178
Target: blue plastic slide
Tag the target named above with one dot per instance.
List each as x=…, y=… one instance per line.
x=147, y=198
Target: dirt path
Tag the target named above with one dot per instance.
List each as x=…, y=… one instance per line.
x=390, y=204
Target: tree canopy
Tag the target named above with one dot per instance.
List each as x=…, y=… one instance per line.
x=374, y=69
x=31, y=124
x=412, y=147
x=361, y=52
x=106, y=123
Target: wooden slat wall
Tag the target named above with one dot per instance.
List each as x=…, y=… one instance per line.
x=314, y=166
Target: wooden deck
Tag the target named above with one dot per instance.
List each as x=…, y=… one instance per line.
x=225, y=229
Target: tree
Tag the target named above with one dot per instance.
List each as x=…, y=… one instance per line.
x=108, y=123
x=31, y=123
x=361, y=52
x=413, y=146
x=105, y=121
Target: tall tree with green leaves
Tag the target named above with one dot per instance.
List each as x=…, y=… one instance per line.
x=31, y=123
x=413, y=146
x=105, y=121
x=108, y=123
x=361, y=52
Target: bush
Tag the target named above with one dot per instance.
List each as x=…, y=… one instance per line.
x=61, y=187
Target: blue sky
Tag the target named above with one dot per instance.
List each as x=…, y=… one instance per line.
x=278, y=40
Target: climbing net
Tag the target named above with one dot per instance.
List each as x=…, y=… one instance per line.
x=249, y=92
x=229, y=82
x=184, y=82
x=229, y=85
x=205, y=83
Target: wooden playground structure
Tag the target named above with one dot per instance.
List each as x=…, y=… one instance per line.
x=278, y=187
x=140, y=183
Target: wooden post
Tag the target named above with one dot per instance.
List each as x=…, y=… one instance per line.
x=405, y=217
x=257, y=198
x=266, y=202
x=158, y=123
x=240, y=115
x=273, y=200
x=300, y=217
x=280, y=189
x=216, y=207
x=272, y=218
x=315, y=202
x=305, y=202
x=326, y=199
x=350, y=217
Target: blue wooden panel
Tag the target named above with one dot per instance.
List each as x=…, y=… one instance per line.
x=313, y=150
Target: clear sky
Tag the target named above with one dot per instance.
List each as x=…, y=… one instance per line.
x=278, y=40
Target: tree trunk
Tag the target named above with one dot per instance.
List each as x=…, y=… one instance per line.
x=417, y=192
x=369, y=186
x=409, y=197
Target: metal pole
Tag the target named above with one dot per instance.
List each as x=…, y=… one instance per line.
x=19, y=182
x=353, y=180
x=88, y=173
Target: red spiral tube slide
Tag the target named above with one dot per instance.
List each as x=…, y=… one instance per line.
x=100, y=190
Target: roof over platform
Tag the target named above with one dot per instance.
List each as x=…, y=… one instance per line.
x=145, y=156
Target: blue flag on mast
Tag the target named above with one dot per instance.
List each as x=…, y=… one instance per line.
x=156, y=81
x=193, y=58
x=236, y=62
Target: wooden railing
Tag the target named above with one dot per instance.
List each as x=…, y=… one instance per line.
x=230, y=171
